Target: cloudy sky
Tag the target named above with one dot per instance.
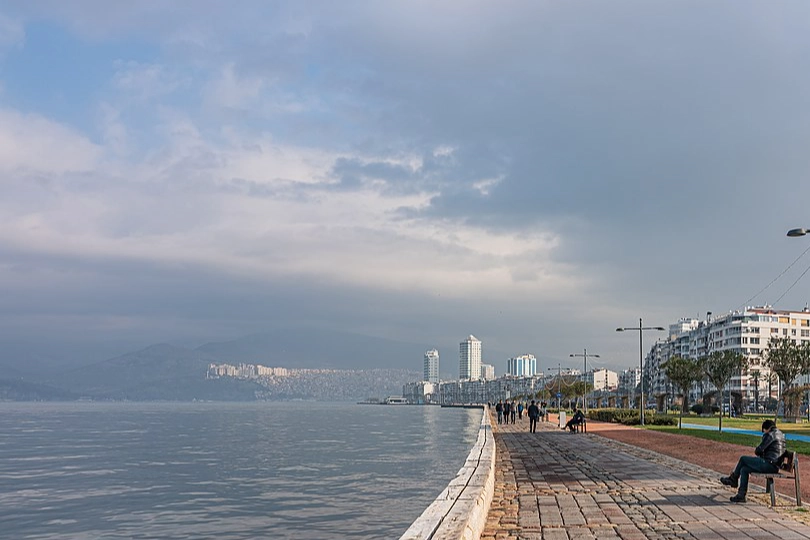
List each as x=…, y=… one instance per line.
x=535, y=173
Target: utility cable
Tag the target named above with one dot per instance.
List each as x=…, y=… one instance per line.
x=793, y=284
x=785, y=271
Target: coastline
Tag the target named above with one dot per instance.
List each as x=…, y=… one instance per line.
x=460, y=510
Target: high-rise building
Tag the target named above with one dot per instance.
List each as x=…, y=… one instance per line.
x=469, y=365
x=432, y=366
x=522, y=366
x=487, y=372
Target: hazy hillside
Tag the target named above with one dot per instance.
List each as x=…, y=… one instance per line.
x=22, y=390
x=308, y=348
x=159, y=372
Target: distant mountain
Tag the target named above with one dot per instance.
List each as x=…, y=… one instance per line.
x=18, y=389
x=159, y=372
x=169, y=372
x=309, y=348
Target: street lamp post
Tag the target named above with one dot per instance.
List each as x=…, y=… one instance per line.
x=640, y=328
x=584, y=356
x=792, y=233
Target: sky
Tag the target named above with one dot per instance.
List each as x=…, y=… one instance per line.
x=535, y=173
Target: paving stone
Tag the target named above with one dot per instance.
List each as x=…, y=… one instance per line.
x=561, y=486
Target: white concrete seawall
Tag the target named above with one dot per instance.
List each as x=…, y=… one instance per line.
x=460, y=511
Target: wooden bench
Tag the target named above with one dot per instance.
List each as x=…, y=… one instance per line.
x=789, y=470
x=582, y=427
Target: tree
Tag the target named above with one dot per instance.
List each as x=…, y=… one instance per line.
x=788, y=360
x=719, y=367
x=683, y=372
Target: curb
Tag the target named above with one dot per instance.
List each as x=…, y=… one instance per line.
x=460, y=511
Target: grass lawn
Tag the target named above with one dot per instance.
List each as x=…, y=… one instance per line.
x=745, y=423
x=734, y=438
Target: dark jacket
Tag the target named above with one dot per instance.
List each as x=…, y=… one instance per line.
x=534, y=411
x=772, y=446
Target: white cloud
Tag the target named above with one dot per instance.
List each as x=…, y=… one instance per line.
x=172, y=209
x=30, y=142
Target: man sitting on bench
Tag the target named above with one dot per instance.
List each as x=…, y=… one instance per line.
x=766, y=461
x=576, y=420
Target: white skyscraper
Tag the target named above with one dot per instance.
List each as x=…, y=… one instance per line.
x=432, y=366
x=469, y=366
x=522, y=366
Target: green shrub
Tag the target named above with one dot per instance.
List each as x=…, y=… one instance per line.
x=630, y=417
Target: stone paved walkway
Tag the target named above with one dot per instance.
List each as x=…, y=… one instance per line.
x=557, y=485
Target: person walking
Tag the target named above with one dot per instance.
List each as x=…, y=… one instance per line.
x=534, y=413
x=507, y=408
x=513, y=411
x=765, y=460
x=499, y=410
x=520, y=411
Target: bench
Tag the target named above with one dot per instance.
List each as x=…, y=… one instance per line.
x=582, y=427
x=790, y=470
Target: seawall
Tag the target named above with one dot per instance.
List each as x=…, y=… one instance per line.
x=460, y=511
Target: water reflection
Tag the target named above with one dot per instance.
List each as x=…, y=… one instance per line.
x=289, y=470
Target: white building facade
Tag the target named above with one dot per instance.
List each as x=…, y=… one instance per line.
x=487, y=372
x=431, y=373
x=602, y=379
x=747, y=332
x=469, y=366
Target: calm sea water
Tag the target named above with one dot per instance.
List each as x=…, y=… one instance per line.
x=258, y=470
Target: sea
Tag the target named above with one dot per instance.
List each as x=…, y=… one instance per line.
x=303, y=470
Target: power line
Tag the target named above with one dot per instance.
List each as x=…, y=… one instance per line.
x=794, y=283
x=785, y=271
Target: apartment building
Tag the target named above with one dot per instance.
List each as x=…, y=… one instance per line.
x=746, y=331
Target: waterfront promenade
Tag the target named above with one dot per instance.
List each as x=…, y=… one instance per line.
x=557, y=485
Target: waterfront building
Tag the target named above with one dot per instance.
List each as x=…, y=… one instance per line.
x=431, y=373
x=747, y=332
x=601, y=379
x=629, y=379
x=522, y=366
x=487, y=372
x=469, y=366
x=421, y=392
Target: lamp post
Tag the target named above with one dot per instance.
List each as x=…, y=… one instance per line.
x=585, y=356
x=792, y=233
x=640, y=328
